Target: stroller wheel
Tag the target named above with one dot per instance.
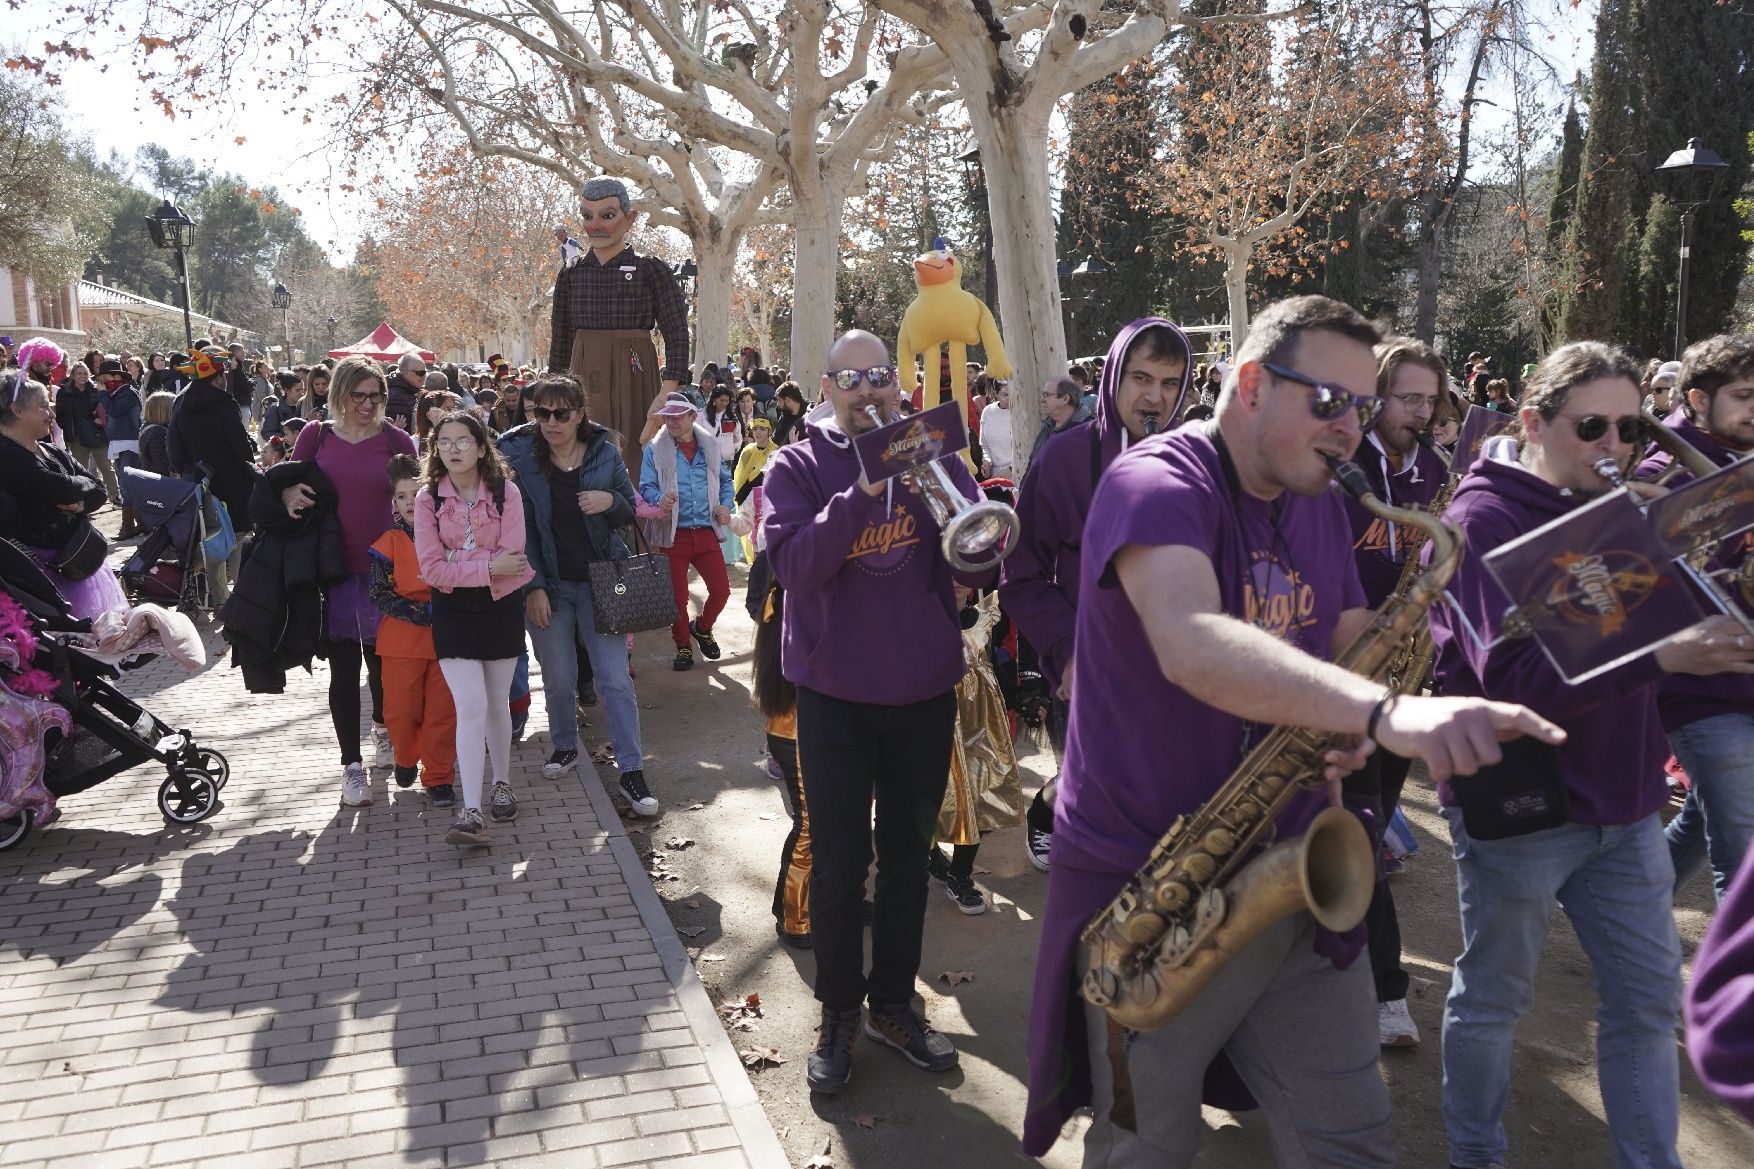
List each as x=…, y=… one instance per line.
x=215, y=765
x=188, y=796
x=13, y=829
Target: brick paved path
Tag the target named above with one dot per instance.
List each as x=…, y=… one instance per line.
x=294, y=984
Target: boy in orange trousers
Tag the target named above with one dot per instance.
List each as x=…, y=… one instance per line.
x=417, y=702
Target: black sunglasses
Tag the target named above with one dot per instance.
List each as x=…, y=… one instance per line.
x=1329, y=401
x=879, y=376
x=558, y=414
x=1590, y=427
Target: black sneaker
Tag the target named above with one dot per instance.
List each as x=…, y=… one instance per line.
x=519, y=720
x=405, y=776
x=684, y=659
x=441, y=795
x=937, y=864
x=831, y=1065
x=708, y=647
x=966, y=894
x=502, y=804
x=560, y=763
x=1039, y=844
x=796, y=941
x=587, y=694
x=900, y=1028
x=633, y=786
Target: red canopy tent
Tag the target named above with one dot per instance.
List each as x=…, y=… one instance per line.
x=384, y=344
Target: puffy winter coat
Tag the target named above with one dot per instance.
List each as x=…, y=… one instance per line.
x=207, y=434
x=274, y=619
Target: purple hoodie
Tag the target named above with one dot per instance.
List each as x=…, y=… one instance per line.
x=1612, y=759
x=1040, y=580
x=1687, y=698
x=1719, y=1008
x=871, y=612
x=1379, y=545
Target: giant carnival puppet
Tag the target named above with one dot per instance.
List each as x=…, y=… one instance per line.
x=944, y=313
x=607, y=300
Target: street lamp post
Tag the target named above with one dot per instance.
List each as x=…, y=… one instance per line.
x=977, y=182
x=332, y=322
x=1693, y=173
x=171, y=229
x=1078, y=295
x=687, y=273
x=283, y=302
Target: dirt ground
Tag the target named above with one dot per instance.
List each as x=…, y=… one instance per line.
x=704, y=744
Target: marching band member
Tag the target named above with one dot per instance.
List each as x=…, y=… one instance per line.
x=1144, y=386
x=872, y=641
x=1222, y=548
x=1593, y=841
x=1409, y=377
x=1710, y=721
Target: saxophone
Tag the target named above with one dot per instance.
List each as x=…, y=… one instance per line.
x=1412, y=662
x=1204, y=893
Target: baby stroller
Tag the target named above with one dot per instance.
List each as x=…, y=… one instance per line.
x=185, y=526
x=110, y=732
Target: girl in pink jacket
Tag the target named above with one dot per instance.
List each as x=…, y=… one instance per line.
x=469, y=536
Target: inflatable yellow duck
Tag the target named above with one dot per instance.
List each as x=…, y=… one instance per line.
x=945, y=314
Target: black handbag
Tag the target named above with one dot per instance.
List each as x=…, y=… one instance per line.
x=83, y=553
x=633, y=594
x=1522, y=793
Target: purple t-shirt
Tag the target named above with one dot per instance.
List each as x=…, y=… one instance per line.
x=1141, y=750
x=359, y=471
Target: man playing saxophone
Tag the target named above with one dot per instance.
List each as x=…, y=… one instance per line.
x=1222, y=550
x=1402, y=471
x=1710, y=721
x=1578, y=824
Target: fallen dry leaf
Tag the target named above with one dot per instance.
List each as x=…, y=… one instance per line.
x=692, y=904
x=822, y=1160
x=693, y=932
x=712, y=957
x=602, y=753
x=756, y=1058
x=696, y=807
x=768, y=816
x=956, y=977
x=678, y=843
x=979, y=871
x=865, y=1120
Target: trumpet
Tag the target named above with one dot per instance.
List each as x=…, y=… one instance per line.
x=977, y=535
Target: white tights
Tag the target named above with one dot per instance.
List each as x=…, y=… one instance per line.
x=481, y=692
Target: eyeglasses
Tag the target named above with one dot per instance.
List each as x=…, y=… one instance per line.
x=559, y=414
x=1329, y=402
x=421, y=372
x=359, y=399
x=454, y=444
x=1590, y=427
x=1416, y=402
x=878, y=376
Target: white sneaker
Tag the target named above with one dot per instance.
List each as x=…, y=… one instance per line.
x=356, y=788
x=383, y=755
x=1395, y=1026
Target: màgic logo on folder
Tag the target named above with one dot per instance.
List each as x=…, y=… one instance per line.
x=912, y=442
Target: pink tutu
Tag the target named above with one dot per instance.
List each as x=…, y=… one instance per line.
x=98, y=593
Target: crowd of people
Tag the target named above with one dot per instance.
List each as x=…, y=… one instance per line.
x=1181, y=551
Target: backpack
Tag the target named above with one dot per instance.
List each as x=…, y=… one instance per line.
x=767, y=404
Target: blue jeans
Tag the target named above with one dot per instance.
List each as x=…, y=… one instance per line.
x=1717, y=821
x=1615, y=885
x=572, y=622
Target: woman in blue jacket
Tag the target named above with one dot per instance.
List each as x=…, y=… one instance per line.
x=577, y=495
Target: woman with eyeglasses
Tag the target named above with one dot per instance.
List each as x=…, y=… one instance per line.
x=577, y=498
x=354, y=449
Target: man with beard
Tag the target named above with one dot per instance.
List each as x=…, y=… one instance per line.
x=1039, y=588
x=1405, y=473
x=1710, y=721
x=1216, y=586
x=605, y=306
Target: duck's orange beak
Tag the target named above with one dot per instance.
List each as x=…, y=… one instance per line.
x=934, y=268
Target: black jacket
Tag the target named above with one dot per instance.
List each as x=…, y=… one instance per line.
x=240, y=385
x=207, y=433
x=399, y=407
x=274, y=619
x=76, y=414
x=34, y=485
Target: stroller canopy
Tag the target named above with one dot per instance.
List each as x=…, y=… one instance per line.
x=384, y=344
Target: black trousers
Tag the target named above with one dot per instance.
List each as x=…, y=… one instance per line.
x=791, y=891
x=1376, y=788
x=849, y=755
x=344, y=658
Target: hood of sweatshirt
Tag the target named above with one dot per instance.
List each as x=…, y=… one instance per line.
x=1109, y=423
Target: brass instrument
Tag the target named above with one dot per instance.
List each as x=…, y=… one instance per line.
x=977, y=535
x=1151, y=425
x=1204, y=893
x=1425, y=439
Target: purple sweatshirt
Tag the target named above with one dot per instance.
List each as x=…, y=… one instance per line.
x=1612, y=759
x=1687, y=698
x=1381, y=546
x=1039, y=588
x=871, y=612
x=1719, y=1007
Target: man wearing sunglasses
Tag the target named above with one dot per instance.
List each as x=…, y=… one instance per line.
x=871, y=638
x=1144, y=389
x=1409, y=377
x=1584, y=829
x=1710, y=721
x=1217, y=584
x=405, y=390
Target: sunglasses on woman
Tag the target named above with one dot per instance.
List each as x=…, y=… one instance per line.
x=558, y=414
x=1328, y=402
x=878, y=376
x=1590, y=427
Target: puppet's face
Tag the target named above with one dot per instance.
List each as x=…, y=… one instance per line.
x=937, y=268
x=605, y=224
